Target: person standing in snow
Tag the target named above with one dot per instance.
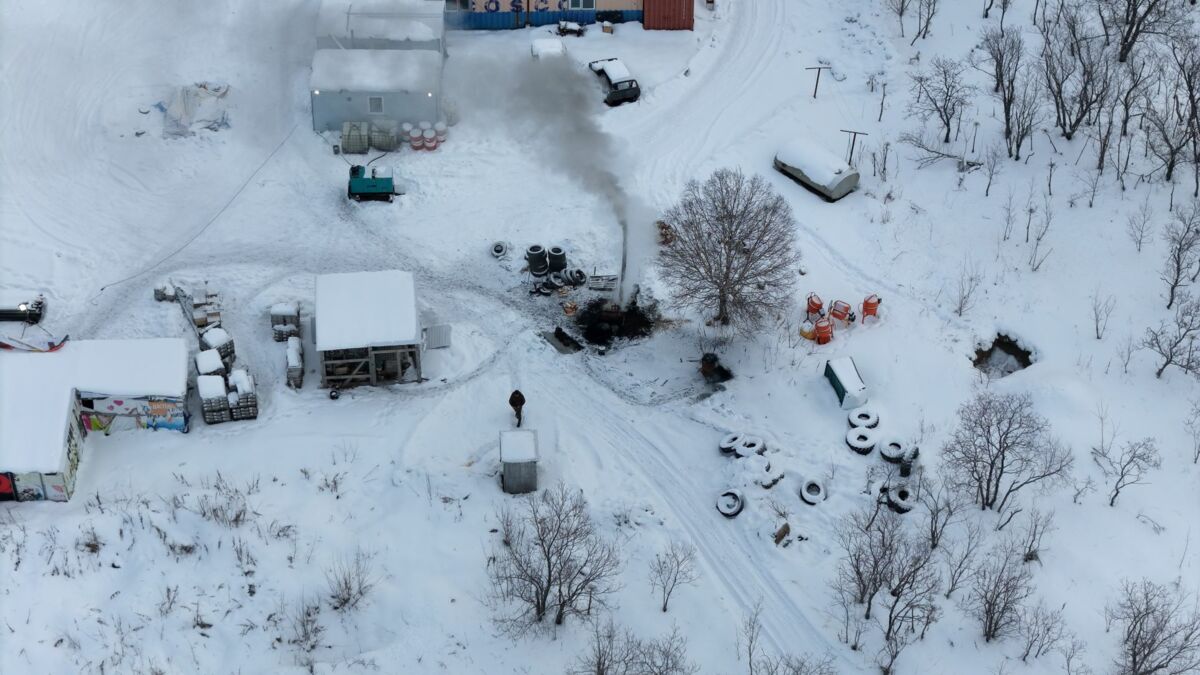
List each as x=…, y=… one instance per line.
x=517, y=401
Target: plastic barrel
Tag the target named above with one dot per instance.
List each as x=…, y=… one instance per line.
x=430, y=139
x=415, y=140
x=424, y=126
x=557, y=258
x=441, y=130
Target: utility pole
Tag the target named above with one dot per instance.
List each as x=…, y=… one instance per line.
x=853, y=137
x=818, y=82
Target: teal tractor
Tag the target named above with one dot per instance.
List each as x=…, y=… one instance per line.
x=376, y=186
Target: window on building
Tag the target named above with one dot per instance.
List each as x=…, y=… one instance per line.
x=375, y=105
x=459, y=5
x=583, y=4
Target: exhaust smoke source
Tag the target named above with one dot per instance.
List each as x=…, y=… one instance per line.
x=554, y=103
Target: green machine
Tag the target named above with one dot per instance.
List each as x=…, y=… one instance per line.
x=377, y=186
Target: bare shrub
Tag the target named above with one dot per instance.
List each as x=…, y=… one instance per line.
x=942, y=502
x=993, y=164
x=734, y=252
x=1102, y=309
x=1026, y=110
x=1192, y=424
x=1182, y=236
x=1138, y=224
x=959, y=557
x=1175, y=343
x=1158, y=627
x=965, y=288
x=552, y=560
x=672, y=567
x=1071, y=650
x=941, y=92
x=926, y=10
x=1129, y=466
x=1037, y=525
x=900, y=8
x=169, y=599
x=760, y=663
x=1041, y=631
x=869, y=539
x=666, y=655
x=350, y=580
x=999, y=589
x=910, y=604
x=305, y=624
x=1001, y=447
x=89, y=541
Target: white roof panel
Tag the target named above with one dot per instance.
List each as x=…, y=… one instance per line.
x=366, y=309
x=376, y=70
x=399, y=20
x=36, y=390
x=518, y=445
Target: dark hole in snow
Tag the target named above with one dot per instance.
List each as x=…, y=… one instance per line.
x=1004, y=357
x=863, y=438
x=561, y=341
x=903, y=495
x=812, y=489
x=602, y=321
x=894, y=446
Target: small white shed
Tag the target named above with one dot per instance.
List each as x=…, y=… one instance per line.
x=367, y=328
x=368, y=85
x=518, y=461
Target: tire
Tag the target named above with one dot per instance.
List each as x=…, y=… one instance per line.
x=578, y=277
x=861, y=440
x=812, y=492
x=550, y=283
x=730, y=503
x=730, y=442
x=892, y=450
x=557, y=279
x=900, y=498
x=863, y=416
x=499, y=249
x=750, y=445
x=334, y=394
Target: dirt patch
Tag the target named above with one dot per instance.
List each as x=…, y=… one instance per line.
x=1003, y=358
x=602, y=321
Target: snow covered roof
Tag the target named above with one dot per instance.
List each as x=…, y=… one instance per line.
x=376, y=70
x=366, y=309
x=36, y=390
x=395, y=20
x=518, y=445
x=819, y=164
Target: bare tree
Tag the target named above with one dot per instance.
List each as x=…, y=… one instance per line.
x=910, y=602
x=734, y=250
x=1129, y=467
x=1175, y=343
x=869, y=539
x=760, y=663
x=551, y=560
x=1185, y=54
x=1037, y=525
x=998, y=592
x=1169, y=128
x=1102, y=309
x=1137, y=224
x=610, y=651
x=900, y=8
x=941, y=92
x=1004, y=53
x=665, y=656
x=1133, y=20
x=1131, y=82
x=1002, y=446
x=1182, y=236
x=671, y=568
x=1159, y=630
x=942, y=502
x=1075, y=69
x=1071, y=650
x=965, y=288
x=1026, y=111
x=1010, y=216
x=926, y=10
x=959, y=557
x=1042, y=630
x=993, y=164
x=1037, y=257
x=1192, y=424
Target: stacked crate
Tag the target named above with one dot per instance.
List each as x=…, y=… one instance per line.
x=214, y=400
x=206, y=308
x=219, y=339
x=285, y=320
x=295, y=363
x=243, y=401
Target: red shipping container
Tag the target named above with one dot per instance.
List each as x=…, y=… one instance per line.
x=668, y=14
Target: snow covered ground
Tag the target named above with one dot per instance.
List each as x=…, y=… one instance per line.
x=95, y=213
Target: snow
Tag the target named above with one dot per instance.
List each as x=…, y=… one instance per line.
x=633, y=430
x=366, y=309
x=285, y=309
x=209, y=361
x=216, y=337
x=210, y=386
x=294, y=351
x=37, y=390
x=241, y=380
x=416, y=20
x=547, y=47
x=518, y=446
x=818, y=163
x=376, y=71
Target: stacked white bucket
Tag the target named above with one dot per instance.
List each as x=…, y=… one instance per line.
x=424, y=135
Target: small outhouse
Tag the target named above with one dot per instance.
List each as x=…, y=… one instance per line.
x=846, y=381
x=518, y=461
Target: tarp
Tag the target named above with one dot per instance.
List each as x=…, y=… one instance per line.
x=194, y=107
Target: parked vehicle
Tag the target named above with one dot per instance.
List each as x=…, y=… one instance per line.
x=621, y=86
x=817, y=169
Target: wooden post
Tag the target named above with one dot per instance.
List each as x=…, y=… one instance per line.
x=818, y=82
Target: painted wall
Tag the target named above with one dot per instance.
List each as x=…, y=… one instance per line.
x=330, y=109
x=506, y=14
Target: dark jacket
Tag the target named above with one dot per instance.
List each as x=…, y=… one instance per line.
x=517, y=399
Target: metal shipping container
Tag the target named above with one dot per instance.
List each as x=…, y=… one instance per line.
x=669, y=14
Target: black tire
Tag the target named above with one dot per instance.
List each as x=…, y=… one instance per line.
x=499, y=249
x=357, y=198
x=892, y=450
x=900, y=498
x=730, y=442
x=557, y=279
x=812, y=492
x=751, y=445
x=578, y=277
x=861, y=440
x=730, y=503
x=334, y=394
x=863, y=416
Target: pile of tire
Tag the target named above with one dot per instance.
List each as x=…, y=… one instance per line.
x=861, y=440
x=730, y=503
x=742, y=444
x=538, y=259
x=900, y=498
x=863, y=416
